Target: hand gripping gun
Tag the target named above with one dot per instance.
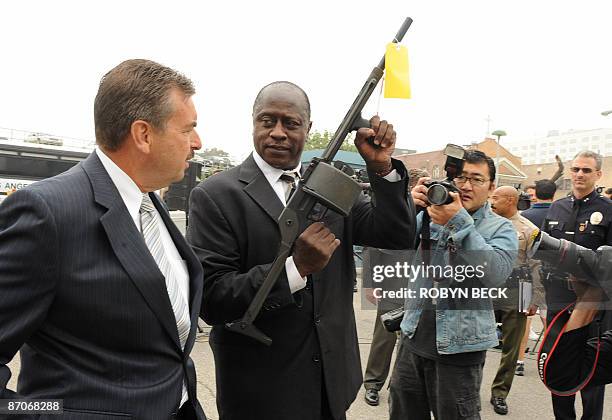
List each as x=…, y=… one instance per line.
x=321, y=183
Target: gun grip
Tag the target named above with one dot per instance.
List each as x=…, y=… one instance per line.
x=360, y=122
x=250, y=330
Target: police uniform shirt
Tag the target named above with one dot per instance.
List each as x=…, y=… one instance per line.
x=593, y=221
x=592, y=229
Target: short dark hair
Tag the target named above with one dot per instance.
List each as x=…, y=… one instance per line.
x=545, y=189
x=476, y=156
x=285, y=83
x=134, y=90
x=609, y=190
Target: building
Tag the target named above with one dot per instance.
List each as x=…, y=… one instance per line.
x=542, y=150
x=399, y=151
x=546, y=170
x=352, y=159
x=509, y=172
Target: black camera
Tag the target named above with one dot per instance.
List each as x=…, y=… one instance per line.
x=591, y=267
x=392, y=320
x=438, y=192
x=524, y=201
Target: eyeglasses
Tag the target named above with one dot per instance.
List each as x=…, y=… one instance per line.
x=460, y=180
x=576, y=169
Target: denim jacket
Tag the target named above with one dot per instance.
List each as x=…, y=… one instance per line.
x=460, y=327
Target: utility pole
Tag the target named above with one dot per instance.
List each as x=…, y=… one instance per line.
x=499, y=134
x=488, y=120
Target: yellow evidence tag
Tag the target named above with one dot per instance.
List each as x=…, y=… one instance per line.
x=397, y=80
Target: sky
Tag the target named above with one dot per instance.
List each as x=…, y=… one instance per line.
x=531, y=66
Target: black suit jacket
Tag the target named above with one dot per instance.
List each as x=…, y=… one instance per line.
x=232, y=227
x=82, y=297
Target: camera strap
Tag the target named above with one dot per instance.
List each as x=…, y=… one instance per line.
x=426, y=237
x=553, y=334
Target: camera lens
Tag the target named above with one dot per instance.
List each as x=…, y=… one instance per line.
x=437, y=194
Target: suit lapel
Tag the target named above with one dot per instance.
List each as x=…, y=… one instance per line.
x=194, y=268
x=129, y=247
x=259, y=189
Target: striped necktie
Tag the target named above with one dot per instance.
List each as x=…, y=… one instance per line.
x=150, y=232
x=289, y=177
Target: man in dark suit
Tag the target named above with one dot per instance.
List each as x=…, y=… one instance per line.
x=312, y=369
x=98, y=288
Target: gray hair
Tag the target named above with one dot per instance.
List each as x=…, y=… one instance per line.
x=592, y=155
x=135, y=90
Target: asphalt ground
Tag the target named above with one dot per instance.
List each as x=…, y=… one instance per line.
x=528, y=398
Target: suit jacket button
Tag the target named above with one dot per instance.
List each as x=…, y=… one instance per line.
x=317, y=319
x=315, y=358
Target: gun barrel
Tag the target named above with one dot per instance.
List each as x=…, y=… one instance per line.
x=398, y=37
x=352, y=120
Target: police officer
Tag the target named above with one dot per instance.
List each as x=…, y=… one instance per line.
x=584, y=217
x=504, y=202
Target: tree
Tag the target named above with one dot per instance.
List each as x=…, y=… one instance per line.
x=206, y=153
x=318, y=140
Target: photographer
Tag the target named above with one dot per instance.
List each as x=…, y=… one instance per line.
x=444, y=340
x=584, y=218
x=575, y=360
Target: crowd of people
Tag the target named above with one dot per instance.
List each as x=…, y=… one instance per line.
x=421, y=374
x=101, y=294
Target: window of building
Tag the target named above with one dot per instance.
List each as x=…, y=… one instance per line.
x=436, y=171
x=566, y=184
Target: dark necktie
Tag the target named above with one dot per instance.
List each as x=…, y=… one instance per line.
x=289, y=177
x=570, y=228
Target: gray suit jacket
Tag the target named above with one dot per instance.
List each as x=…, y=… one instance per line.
x=82, y=297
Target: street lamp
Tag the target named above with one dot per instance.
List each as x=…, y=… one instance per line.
x=499, y=134
x=606, y=113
